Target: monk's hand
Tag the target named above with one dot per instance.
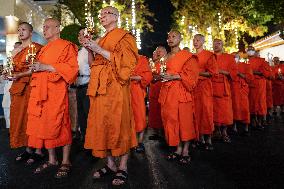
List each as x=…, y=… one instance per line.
x=93, y=46
x=170, y=77
x=136, y=78
x=224, y=72
x=40, y=67
x=241, y=75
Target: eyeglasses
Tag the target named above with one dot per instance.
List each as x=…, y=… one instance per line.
x=106, y=13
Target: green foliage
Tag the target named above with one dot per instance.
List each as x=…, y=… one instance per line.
x=245, y=16
x=70, y=33
x=77, y=7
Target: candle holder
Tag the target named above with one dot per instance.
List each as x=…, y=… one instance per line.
x=152, y=65
x=163, y=68
x=31, y=56
x=90, y=29
x=9, y=67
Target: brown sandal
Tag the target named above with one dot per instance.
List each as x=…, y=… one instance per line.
x=47, y=165
x=63, y=171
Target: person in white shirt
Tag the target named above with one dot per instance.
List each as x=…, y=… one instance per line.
x=85, y=59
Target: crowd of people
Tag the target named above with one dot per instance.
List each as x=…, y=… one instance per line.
x=193, y=97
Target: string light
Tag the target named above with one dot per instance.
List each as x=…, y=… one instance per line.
x=182, y=20
x=138, y=38
x=237, y=38
x=219, y=20
x=209, y=38
x=127, y=24
x=133, y=13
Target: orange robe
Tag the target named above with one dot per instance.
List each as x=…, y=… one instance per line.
x=48, y=116
x=257, y=93
x=20, y=93
x=240, y=93
x=138, y=92
x=176, y=99
x=222, y=98
x=155, y=119
x=269, y=96
x=278, y=86
x=110, y=121
x=203, y=93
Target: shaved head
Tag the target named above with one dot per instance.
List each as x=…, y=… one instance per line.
x=112, y=9
x=200, y=36
x=51, y=29
x=53, y=21
x=176, y=32
x=29, y=26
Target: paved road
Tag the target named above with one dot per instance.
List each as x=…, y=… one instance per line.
x=248, y=162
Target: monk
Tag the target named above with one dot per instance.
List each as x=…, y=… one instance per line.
x=20, y=93
x=179, y=78
x=111, y=131
x=203, y=94
x=154, y=117
x=48, y=116
x=222, y=98
x=277, y=85
x=240, y=94
x=140, y=79
x=257, y=94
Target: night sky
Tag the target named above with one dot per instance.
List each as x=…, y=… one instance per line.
x=162, y=10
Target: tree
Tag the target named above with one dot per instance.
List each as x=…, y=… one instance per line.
x=225, y=19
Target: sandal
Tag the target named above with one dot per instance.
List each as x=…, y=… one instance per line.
x=185, y=159
x=104, y=172
x=121, y=176
x=35, y=158
x=63, y=171
x=23, y=156
x=47, y=165
x=226, y=139
x=173, y=156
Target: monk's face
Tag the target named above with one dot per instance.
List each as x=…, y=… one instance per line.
x=217, y=46
x=198, y=42
x=24, y=32
x=161, y=52
x=174, y=39
x=108, y=16
x=51, y=29
x=276, y=60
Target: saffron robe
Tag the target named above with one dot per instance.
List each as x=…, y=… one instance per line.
x=48, y=116
x=222, y=98
x=240, y=93
x=278, y=86
x=177, y=107
x=110, y=120
x=138, y=92
x=203, y=93
x=154, y=117
x=257, y=92
x=20, y=93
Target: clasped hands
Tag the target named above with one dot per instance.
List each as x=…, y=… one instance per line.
x=93, y=45
x=170, y=77
x=40, y=67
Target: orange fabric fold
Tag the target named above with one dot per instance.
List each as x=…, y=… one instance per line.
x=240, y=93
x=48, y=116
x=138, y=92
x=203, y=93
x=110, y=121
x=222, y=100
x=177, y=107
x=20, y=93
